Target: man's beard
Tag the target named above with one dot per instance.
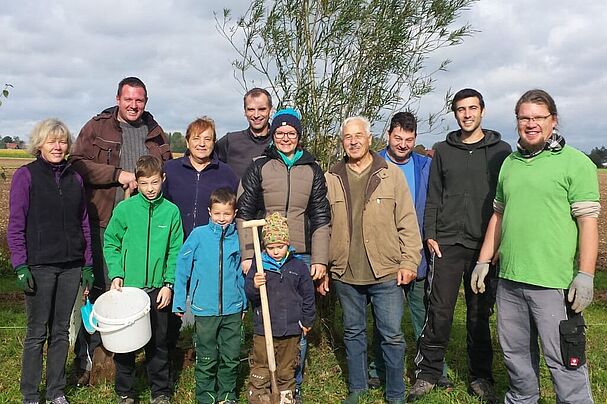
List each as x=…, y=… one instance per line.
x=532, y=148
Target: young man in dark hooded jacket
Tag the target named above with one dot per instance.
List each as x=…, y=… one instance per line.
x=461, y=189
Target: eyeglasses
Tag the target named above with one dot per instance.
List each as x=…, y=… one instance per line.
x=524, y=120
x=281, y=135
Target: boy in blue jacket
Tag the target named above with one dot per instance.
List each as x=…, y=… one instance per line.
x=291, y=300
x=210, y=261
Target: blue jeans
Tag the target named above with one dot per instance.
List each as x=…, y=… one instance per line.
x=415, y=293
x=388, y=301
x=48, y=320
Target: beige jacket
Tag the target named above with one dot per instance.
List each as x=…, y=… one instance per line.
x=390, y=229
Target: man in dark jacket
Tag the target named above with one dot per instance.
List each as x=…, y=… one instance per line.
x=461, y=189
x=104, y=155
x=238, y=149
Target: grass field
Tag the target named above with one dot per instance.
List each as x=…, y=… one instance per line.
x=325, y=377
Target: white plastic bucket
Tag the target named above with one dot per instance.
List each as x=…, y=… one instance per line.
x=122, y=319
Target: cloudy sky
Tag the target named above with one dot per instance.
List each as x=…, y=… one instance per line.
x=65, y=58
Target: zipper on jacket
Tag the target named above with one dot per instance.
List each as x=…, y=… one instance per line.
x=109, y=154
x=147, y=257
x=288, y=191
x=223, y=234
x=195, y=212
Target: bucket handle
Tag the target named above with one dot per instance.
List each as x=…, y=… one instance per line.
x=118, y=327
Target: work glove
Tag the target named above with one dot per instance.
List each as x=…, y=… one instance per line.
x=477, y=279
x=87, y=278
x=25, y=279
x=581, y=291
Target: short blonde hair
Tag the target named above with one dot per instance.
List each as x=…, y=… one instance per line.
x=45, y=129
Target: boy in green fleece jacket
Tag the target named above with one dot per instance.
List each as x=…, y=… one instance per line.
x=141, y=245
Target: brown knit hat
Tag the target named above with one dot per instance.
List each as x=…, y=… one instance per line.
x=275, y=230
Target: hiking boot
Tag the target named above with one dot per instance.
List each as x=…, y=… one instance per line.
x=354, y=397
x=58, y=400
x=419, y=389
x=126, y=400
x=374, y=382
x=445, y=384
x=162, y=399
x=297, y=398
x=286, y=397
x=228, y=402
x=484, y=390
x=84, y=377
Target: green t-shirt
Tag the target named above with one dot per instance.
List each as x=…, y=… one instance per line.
x=539, y=237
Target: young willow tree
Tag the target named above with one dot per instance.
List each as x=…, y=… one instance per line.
x=332, y=59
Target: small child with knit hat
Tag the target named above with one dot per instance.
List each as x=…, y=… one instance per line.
x=291, y=301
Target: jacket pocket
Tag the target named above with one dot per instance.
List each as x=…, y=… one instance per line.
x=105, y=150
x=380, y=229
x=573, y=342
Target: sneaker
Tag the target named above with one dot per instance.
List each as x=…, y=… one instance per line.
x=160, y=400
x=419, y=389
x=126, y=400
x=58, y=400
x=397, y=401
x=354, y=397
x=228, y=402
x=297, y=399
x=483, y=389
x=445, y=384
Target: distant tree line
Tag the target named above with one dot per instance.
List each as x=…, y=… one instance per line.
x=598, y=155
x=9, y=142
x=177, y=142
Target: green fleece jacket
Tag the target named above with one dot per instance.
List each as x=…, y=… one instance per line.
x=142, y=241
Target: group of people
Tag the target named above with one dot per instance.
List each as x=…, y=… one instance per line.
x=378, y=229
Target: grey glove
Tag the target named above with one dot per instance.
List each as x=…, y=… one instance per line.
x=581, y=291
x=477, y=279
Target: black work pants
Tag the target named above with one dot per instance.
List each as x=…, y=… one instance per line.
x=445, y=279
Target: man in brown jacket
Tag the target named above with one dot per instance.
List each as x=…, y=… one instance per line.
x=105, y=154
x=375, y=248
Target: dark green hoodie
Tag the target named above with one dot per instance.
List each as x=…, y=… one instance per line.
x=461, y=188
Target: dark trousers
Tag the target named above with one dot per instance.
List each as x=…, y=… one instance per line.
x=48, y=318
x=217, y=357
x=286, y=352
x=445, y=280
x=86, y=343
x=156, y=357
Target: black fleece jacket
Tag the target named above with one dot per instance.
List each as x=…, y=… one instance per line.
x=461, y=188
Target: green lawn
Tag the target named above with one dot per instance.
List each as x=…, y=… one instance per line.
x=325, y=382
